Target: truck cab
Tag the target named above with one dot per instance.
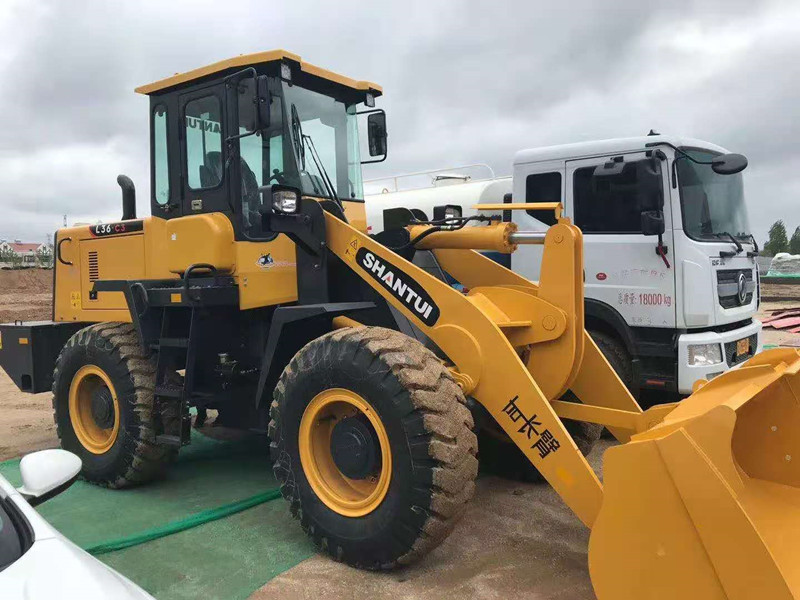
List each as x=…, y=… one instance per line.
x=682, y=307
x=670, y=296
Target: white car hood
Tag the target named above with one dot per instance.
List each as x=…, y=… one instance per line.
x=54, y=567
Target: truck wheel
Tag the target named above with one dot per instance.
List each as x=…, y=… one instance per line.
x=372, y=444
x=103, y=404
x=616, y=355
x=500, y=456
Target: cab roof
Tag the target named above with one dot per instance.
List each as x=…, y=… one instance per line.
x=248, y=60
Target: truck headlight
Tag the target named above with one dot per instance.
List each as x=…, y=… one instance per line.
x=702, y=355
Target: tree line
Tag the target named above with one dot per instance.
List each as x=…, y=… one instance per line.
x=779, y=242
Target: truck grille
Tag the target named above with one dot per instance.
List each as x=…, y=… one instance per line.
x=730, y=351
x=728, y=287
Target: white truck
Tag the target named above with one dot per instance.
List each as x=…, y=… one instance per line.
x=672, y=285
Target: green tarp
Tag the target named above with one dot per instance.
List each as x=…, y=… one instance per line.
x=226, y=558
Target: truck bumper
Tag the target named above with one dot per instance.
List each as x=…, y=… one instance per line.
x=688, y=374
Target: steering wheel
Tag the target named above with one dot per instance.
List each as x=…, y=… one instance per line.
x=278, y=176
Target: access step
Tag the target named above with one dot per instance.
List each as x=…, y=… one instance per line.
x=169, y=391
x=169, y=440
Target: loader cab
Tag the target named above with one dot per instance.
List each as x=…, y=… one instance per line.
x=219, y=135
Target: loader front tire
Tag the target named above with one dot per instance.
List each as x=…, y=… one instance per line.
x=372, y=444
x=103, y=406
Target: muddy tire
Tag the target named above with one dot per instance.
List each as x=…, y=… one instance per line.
x=103, y=406
x=388, y=388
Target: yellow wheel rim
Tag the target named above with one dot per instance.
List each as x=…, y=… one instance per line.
x=348, y=497
x=87, y=383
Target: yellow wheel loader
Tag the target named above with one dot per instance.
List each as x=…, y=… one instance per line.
x=254, y=289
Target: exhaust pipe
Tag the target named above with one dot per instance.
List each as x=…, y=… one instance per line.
x=128, y=197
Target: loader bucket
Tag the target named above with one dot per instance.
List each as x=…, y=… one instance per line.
x=706, y=504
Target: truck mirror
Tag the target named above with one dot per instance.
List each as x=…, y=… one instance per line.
x=652, y=222
x=649, y=185
x=729, y=164
x=613, y=167
x=376, y=133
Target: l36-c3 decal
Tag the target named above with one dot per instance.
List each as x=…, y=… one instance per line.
x=119, y=228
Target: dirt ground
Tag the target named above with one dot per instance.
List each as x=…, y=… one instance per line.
x=25, y=294
x=779, y=292
x=516, y=540
x=27, y=422
x=777, y=337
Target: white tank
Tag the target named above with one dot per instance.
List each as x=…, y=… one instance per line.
x=465, y=194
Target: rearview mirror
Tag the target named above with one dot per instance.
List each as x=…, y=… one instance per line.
x=652, y=222
x=613, y=167
x=376, y=133
x=729, y=164
x=47, y=473
x=650, y=185
x=250, y=92
x=262, y=100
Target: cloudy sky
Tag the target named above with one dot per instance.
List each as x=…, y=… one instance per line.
x=464, y=81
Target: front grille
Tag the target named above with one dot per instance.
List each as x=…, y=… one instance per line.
x=727, y=287
x=733, y=301
x=94, y=266
x=730, y=351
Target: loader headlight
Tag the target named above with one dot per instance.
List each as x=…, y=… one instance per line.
x=701, y=355
x=285, y=201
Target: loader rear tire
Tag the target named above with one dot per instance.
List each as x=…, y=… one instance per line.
x=394, y=395
x=103, y=406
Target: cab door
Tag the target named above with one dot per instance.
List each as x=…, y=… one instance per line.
x=203, y=151
x=622, y=267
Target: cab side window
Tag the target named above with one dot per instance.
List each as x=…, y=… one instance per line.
x=203, y=124
x=543, y=187
x=607, y=203
x=160, y=156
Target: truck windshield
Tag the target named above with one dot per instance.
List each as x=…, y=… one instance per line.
x=324, y=134
x=712, y=204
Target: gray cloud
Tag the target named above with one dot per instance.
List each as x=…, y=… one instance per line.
x=465, y=82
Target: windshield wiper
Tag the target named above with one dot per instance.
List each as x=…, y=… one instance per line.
x=734, y=241
x=297, y=132
x=755, y=246
x=321, y=169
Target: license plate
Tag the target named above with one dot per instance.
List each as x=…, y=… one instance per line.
x=743, y=347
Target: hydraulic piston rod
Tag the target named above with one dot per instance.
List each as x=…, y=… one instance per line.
x=528, y=237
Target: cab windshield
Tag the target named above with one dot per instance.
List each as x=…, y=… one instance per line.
x=712, y=204
x=311, y=144
x=324, y=135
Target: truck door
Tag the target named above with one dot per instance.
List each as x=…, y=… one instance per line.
x=622, y=267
